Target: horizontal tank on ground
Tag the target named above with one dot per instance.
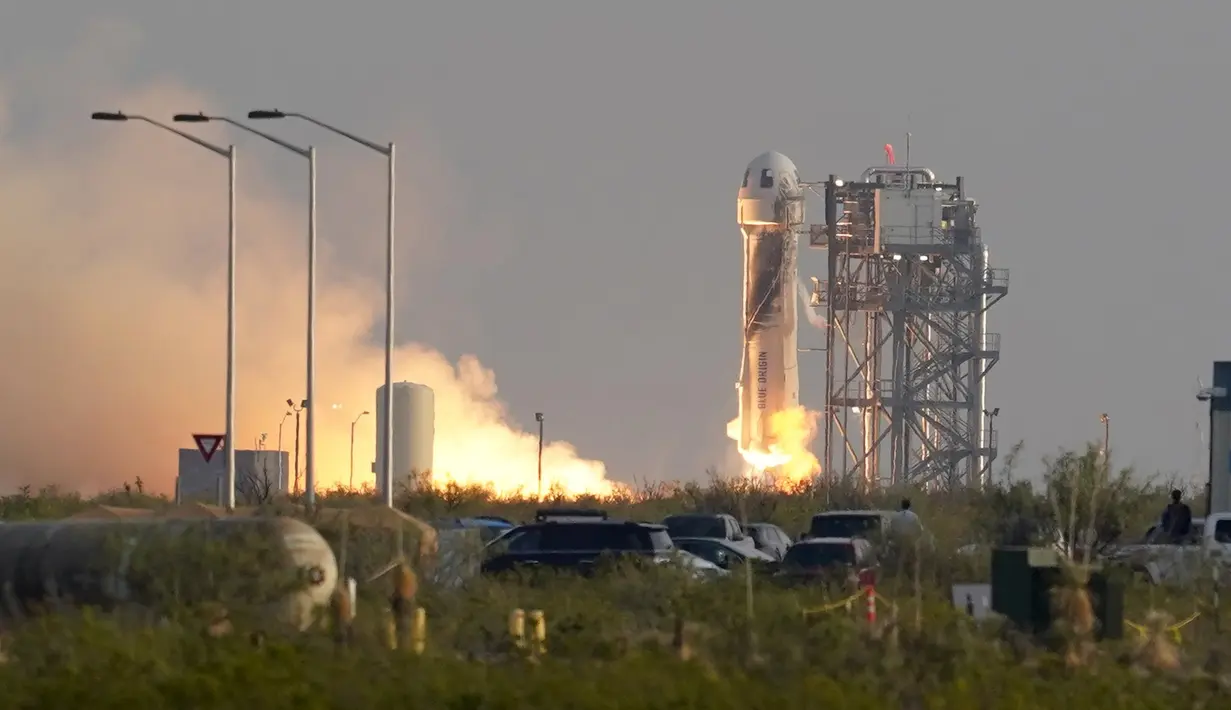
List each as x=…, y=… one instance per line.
x=115, y=563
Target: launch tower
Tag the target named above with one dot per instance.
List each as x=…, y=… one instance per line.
x=907, y=350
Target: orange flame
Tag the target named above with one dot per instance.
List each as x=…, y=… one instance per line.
x=789, y=459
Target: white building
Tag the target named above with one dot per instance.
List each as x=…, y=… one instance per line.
x=258, y=475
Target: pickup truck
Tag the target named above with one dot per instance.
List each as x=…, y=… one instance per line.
x=715, y=526
x=1206, y=549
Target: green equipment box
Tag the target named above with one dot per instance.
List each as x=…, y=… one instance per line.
x=1022, y=581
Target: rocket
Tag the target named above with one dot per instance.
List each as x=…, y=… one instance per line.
x=770, y=207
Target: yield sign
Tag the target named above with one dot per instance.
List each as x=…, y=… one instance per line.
x=208, y=444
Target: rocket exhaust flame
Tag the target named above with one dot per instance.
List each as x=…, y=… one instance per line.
x=773, y=431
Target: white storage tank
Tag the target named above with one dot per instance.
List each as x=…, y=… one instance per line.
x=414, y=429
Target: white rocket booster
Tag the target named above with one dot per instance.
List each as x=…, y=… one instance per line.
x=770, y=206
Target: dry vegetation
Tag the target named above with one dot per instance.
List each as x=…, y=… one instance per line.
x=652, y=638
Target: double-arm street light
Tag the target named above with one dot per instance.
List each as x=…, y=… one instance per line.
x=389, y=152
x=310, y=154
x=231, y=154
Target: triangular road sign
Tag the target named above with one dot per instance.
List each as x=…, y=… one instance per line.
x=208, y=444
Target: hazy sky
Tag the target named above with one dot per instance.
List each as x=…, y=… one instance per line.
x=569, y=172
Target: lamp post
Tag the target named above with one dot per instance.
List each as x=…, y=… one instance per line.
x=1106, y=420
x=538, y=417
x=310, y=154
x=991, y=415
x=231, y=153
x=352, y=448
x=281, y=470
x=296, y=409
x=389, y=152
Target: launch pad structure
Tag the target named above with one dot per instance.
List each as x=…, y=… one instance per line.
x=907, y=350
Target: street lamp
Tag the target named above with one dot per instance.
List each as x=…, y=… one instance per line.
x=281, y=470
x=352, y=448
x=310, y=154
x=297, y=409
x=991, y=415
x=1106, y=421
x=389, y=152
x=231, y=153
x=538, y=417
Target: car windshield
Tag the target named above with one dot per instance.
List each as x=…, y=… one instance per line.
x=661, y=540
x=854, y=525
x=709, y=550
x=695, y=526
x=820, y=555
x=487, y=533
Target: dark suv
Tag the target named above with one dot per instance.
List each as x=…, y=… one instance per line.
x=574, y=540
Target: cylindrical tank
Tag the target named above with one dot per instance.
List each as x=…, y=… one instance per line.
x=99, y=562
x=414, y=430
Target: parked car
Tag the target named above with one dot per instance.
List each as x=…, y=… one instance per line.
x=490, y=527
x=867, y=524
x=717, y=526
x=576, y=539
x=722, y=552
x=818, y=558
x=769, y=538
x=1161, y=560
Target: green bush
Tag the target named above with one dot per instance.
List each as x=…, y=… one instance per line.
x=93, y=663
x=612, y=640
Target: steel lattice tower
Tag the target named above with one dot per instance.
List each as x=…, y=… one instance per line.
x=907, y=349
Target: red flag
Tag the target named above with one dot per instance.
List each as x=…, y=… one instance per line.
x=889, y=153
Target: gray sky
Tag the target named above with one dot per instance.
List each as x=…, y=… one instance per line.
x=570, y=170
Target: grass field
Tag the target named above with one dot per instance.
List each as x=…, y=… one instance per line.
x=646, y=638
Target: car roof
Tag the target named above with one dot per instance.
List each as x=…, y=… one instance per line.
x=484, y=523
x=867, y=513
x=746, y=551
x=695, y=515
x=832, y=541
x=596, y=521
x=715, y=540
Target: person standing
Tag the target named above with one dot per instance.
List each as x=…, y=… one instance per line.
x=1177, y=519
x=905, y=522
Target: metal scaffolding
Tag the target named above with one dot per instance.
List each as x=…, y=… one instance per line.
x=906, y=346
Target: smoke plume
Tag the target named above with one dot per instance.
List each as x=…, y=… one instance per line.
x=112, y=307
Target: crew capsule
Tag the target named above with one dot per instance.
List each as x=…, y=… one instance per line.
x=771, y=193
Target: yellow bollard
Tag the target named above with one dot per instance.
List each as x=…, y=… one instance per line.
x=418, y=631
x=517, y=628
x=538, y=624
x=405, y=586
x=391, y=633
x=340, y=616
